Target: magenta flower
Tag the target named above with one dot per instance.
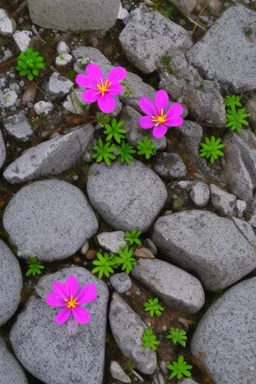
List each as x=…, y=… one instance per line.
x=156, y=115
x=67, y=296
x=101, y=89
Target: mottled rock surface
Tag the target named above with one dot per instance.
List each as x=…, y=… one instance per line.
x=18, y=126
x=70, y=357
x=123, y=197
x=217, y=249
x=10, y=370
x=49, y=219
x=225, y=337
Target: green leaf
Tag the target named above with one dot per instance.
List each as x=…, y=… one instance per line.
x=211, y=149
x=153, y=307
x=146, y=148
x=149, y=339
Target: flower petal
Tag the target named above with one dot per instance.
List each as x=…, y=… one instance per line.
x=81, y=315
x=60, y=290
x=159, y=131
x=174, y=121
x=63, y=316
x=161, y=100
x=54, y=301
x=146, y=122
x=87, y=294
x=72, y=285
x=106, y=103
x=94, y=71
x=90, y=96
x=116, y=75
x=115, y=89
x=175, y=110
x=147, y=106
x=86, y=82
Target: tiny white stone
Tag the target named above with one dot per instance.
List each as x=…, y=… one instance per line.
x=7, y=25
x=43, y=107
x=22, y=39
x=62, y=48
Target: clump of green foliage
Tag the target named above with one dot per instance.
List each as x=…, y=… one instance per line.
x=177, y=335
x=165, y=60
x=146, y=148
x=115, y=131
x=236, y=117
x=153, y=307
x=103, y=265
x=149, y=339
x=179, y=368
x=166, y=11
x=125, y=151
x=34, y=266
x=102, y=118
x=128, y=91
x=129, y=367
x=125, y=259
x=132, y=237
x=30, y=63
x=211, y=149
x=104, y=151
x=248, y=31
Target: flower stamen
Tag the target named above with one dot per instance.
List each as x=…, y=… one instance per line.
x=72, y=302
x=160, y=119
x=103, y=87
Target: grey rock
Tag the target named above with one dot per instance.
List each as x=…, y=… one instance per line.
x=43, y=107
x=5, y=55
x=118, y=373
x=10, y=283
x=62, y=48
x=240, y=206
x=169, y=165
x=134, y=132
x=246, y=230
x=8, y=98
x=223, y=202
x=57, y=87
x=225, y=337
x=64, y=16
x=184, y=84
x=91, y=54
x=85, y=248
x=7, y=25
x=211, y=246
x=121, y=282
x=22, y=39
x=251, y=108
x=50, y=219
x=112, y=241
x=200, y=194
x=75, y=104
x=69, y=358
x=51, y=157
x=185, y=6
x=239, y=163
x=124, y=198
x=187, y=381
x=225, y=53
x=150, y=245
x=18, y=126
x=10, y=369
x=63, y=59
x=148, y=35
x=2, y=150
x=135, y=90
x=175, y=287
x=127, y=328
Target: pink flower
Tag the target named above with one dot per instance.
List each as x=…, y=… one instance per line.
x=101, y=89
x=156, y=115
x=67, y=296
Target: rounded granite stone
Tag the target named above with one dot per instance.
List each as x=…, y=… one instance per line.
x=49, y=219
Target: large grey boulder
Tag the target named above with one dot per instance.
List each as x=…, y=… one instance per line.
x=55, y=353
x=51, y=157
x=50, y=219
x=225, y=338
x=217, y=249
x=148, y=35
x=126, y=196
x=79, y=15
x=175, y=287
x=10, y=284
x=225, y=53
x=127, y=328
x=10, y=369
x=239, y=163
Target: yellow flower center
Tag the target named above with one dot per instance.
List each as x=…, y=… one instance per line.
x=103, y=87
x=160, y=119
x=72, y=302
